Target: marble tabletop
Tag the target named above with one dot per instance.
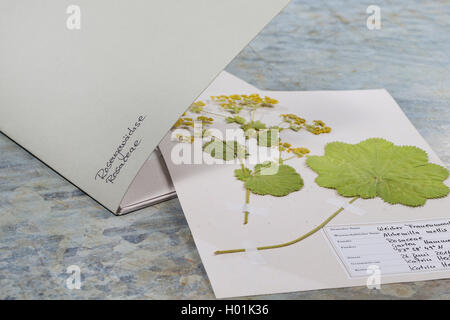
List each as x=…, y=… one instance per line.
x=47, y=224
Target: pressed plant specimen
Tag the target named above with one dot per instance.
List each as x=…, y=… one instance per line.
x=374, y=168
x=267, y=178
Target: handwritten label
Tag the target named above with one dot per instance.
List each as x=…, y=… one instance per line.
x=420, y=246
x=122, y=154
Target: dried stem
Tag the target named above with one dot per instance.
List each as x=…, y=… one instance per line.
x=306, y=235
x=247, y=201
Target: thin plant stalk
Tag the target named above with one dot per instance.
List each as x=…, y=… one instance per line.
x=247, y=201
x=214, y=114
x=306, y=235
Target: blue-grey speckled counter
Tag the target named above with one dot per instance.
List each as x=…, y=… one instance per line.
x=46, y=224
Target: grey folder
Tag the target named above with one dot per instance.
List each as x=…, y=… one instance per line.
x=94, y=102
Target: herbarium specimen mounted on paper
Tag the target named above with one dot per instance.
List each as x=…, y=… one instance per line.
x=275, y=178
x=374, y=168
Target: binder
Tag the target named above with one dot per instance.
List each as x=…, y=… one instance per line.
x=92, y=98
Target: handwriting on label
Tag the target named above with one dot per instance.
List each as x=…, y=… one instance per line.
x=121, y=155
x=394, y=247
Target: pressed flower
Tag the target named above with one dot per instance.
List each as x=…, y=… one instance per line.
x=205, y=120
x=270, y=100
x=319, y=123
x=255, y=182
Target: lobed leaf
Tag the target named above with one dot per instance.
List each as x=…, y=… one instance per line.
x=225, y=150
x=377, y=167
x=285, y=181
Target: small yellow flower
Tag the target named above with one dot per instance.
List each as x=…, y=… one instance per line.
x=319, y=123
x=178, y=123
x=303, y=150
x=300, y=152
x=292, y=117
x=270, y=100
x=199, y=104
x=205, y=120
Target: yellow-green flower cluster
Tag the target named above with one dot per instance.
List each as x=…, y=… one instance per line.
x=299, y=152
x=293, y=119
x=205, y=120
x=284, y=146
x=296, y=123
x=197, y=107
x=184, y=122
x=189, y=122
x=185, y=139
x=236, y=102
x=319, y=127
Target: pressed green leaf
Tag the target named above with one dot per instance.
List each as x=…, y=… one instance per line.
x=243, y=174
x=263, y=181
x=256, y=125
x=196, y=109
x=376, y=167
x=225, y=150
x=235, y=119
x=233, y=108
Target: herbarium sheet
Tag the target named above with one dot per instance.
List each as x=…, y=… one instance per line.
x=291, y=191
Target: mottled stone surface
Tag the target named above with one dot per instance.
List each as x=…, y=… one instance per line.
x=46, y=224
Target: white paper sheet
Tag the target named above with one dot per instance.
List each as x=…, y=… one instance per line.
x=207, y=192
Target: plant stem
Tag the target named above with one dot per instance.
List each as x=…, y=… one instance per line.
x=306, y=235
x=247, y=201
x=287, y=159
x=246, y=217
x=215, y=114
